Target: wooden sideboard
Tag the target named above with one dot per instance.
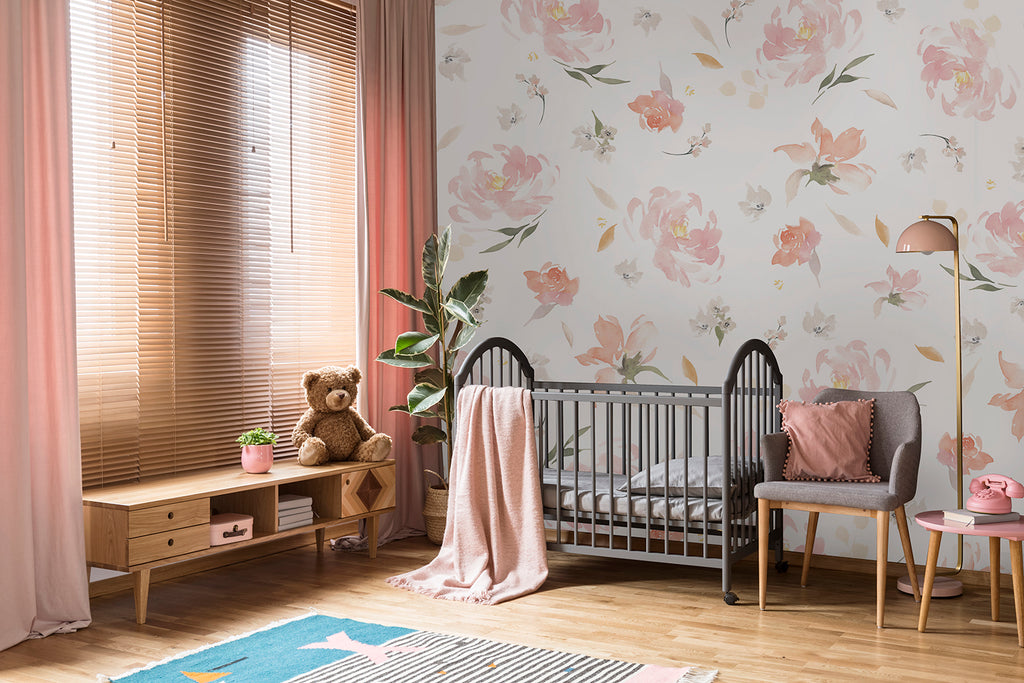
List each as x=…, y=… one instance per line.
x=135, y=527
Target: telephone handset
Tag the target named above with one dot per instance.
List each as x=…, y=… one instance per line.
x=992, y=493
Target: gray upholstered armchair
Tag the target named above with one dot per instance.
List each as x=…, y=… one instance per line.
x=894, y=456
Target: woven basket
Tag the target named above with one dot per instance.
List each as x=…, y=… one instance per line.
x=435, y=508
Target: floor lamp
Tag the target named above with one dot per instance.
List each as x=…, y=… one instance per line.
x=926, y=236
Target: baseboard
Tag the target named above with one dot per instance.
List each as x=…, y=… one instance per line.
x=123, y=582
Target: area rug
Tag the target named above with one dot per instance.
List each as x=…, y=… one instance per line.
x=324, y=649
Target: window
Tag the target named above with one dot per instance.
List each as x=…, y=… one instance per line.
x=214, y=170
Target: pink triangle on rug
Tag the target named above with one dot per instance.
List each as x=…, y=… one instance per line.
x=662, y=674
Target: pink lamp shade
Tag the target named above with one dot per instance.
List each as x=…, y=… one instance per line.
x=926, y=236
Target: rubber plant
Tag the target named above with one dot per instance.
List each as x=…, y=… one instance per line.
x=449, y=325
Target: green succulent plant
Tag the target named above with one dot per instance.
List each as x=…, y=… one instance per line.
x=257, y=437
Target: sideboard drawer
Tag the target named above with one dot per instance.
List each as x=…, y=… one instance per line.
x=168, y=517
x=368, y=490
x=168, y=544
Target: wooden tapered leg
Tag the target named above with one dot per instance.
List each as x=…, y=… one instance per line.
x=882, y=520
x=908, y=550
x=812, y=530
x=929, y=578
x=993, y=574
x=320, y=536
x=1017, y=566
x=141, y=592
x=763, y=525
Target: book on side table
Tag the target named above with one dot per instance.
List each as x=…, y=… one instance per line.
x=971, y=518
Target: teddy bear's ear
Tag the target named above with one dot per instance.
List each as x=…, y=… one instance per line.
x=309, y=378
x=353, y=372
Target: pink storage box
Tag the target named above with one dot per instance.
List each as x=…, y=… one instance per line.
x=230, y=527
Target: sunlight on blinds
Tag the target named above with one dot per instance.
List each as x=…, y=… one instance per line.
x=214, y=162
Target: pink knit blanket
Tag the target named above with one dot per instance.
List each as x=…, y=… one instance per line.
x=493, y=548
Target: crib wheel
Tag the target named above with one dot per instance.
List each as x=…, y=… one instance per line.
x=782, y=567
x=730, y=598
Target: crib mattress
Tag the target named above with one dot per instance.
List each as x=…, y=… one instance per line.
x=600, y=493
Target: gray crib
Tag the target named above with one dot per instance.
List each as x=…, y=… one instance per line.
x=607, y=450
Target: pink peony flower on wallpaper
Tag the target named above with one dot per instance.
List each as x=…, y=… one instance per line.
x=975, y=459
x=570, y=31
x=828, y=160
x=898, y=290
x=795, y=244
x=552, y=284
x=686, y=243
x=1000, y=234
x=514, y=184
x=624, y=356
x=658, y=111
x=797, y=46
x=1013, y=403
x=852, y=366
x=958, y=72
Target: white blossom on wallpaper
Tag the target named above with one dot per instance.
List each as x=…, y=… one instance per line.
x=650, y=183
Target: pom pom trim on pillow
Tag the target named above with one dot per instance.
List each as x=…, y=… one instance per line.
x=829, y=441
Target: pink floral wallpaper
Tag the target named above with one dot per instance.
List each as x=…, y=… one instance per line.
x=650, y=182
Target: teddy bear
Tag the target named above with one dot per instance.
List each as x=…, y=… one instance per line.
x=331, y=429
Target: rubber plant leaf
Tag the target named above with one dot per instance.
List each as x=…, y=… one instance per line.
x=420, y=360
x=428, y=434
x=413, y=343
x=406, y=299
x=461, y=312
x=435, y=258
x=469, y=288
x=425, y=396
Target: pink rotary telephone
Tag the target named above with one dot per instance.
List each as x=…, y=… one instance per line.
x=992, y=493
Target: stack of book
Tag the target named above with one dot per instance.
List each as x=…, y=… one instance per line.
x=971, y=518
x=293, y=511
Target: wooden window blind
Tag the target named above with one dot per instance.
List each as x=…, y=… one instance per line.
x=214, y=180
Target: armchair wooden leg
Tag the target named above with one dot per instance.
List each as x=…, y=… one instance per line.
x=908, y=551
x=763, y=526
x=812, y=530
x=882, y=550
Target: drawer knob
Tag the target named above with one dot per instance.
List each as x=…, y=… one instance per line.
x=170, y=541
x=170, y=515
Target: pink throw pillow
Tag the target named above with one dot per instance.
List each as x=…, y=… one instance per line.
x=828, y=441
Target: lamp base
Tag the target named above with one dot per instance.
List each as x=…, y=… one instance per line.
x=943, y=587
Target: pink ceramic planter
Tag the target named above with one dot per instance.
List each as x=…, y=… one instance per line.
x=257, y=459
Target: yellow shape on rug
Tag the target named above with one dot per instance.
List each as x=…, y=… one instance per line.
x=204, y=676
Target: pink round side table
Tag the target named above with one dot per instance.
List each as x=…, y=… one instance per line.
x=1012, y=531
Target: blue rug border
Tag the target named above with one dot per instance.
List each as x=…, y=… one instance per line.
x=317, y=628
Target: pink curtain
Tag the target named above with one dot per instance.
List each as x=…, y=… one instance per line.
x=398, y=212
x=43, y=579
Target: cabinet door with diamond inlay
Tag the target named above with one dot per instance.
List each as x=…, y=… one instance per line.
x=368, y=490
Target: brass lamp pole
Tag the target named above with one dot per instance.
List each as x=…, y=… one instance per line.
x=926, y=236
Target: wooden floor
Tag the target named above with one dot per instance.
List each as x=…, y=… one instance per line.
x=606, y=608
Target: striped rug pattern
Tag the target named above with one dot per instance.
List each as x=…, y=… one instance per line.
x=324, y=649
